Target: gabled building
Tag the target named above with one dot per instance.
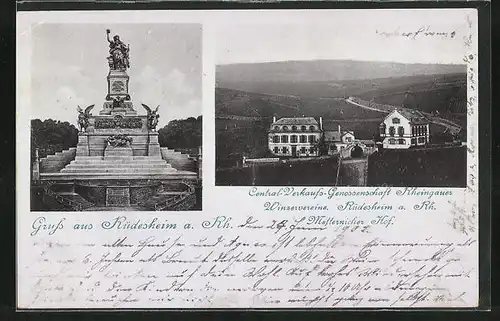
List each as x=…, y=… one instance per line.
x=404, y=128
x=337, y=140
x=295, y=136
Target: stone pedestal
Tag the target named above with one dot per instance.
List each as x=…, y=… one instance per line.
x=111, y=151
x=153, y=145
x=82, y=148
x=117, y=83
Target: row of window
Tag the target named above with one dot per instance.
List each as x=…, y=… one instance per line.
x=394, y=141
x=418, y=130
x=401, y=141
x=415, y=130
x=293, y=139
x=303, y=150
x=420, y=140
x=295, y=128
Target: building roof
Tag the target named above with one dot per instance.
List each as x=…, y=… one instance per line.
x=414, y=116
x=335, y=136
x=347, y=132
x=332, y=136
x=296, y=121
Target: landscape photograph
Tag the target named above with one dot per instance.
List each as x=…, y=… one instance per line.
x=301, y=104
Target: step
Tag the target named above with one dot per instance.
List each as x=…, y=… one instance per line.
x=112, y=158
x=174, y=175
x=119, y=170
x=119, y=165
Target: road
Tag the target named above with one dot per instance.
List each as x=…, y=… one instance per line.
x=452, y=127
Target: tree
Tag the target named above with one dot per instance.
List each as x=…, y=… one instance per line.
x=51, y=136
x=321, y=145
x=181, y=133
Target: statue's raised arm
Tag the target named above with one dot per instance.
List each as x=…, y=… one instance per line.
x=107, y=35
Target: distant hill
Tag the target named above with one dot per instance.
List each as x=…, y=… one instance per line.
x=248, y=76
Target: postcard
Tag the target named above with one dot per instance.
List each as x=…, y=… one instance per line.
x=280, y=159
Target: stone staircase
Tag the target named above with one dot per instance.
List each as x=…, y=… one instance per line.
x=116, y=167
x=54, y=163
x=65, y=200
x=178, y=159
x=166, y=200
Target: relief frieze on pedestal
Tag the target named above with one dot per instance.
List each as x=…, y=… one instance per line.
x=118, y=122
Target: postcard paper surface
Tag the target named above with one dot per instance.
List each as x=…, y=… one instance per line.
x=248, y=159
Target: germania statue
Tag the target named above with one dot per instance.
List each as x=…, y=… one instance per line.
x=118, y=53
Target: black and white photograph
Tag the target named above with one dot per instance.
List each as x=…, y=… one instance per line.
x=358, y=100
x=116, y=117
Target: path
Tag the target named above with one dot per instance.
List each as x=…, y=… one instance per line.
x=451, y=126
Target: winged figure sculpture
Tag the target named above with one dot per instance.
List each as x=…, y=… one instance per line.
x=152, y=116
x=83, y=117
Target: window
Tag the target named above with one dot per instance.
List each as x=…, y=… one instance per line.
x=277, y=128
x=285, y=128
x=414, y=141
x=396, y=121
x=312, y=128
x=401, y=131
x=401, y=141
x=284, y=139
x=303, y=138
x=294, y=128
x=284, y=150
x=382, y=129
x=312, y=150
x=392, y=131
x=348, y=139
x=303, y=128
x=276, y=139
x=425, y=130
x=421, y=140
x=276, y=150
x=302, y=150
x=312, y=139
x=413, y=130
x=293, y=139
x=392, y=141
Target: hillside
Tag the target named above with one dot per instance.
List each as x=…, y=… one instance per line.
x=241, y=103
x=325, y=70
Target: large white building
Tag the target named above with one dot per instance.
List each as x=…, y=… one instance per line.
x=295, y=137
x=404, y=128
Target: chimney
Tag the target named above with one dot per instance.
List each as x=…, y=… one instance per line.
x=339, y=130
x=320, y=123
x=274, y=119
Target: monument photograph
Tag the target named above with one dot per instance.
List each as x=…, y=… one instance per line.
x=342, y=103
x=116, y=117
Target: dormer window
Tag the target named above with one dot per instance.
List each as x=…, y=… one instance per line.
x=294, y=128
x=285, y=128
x=303, y=128
x=277, y=128
x=396, y=121
x=312, y=128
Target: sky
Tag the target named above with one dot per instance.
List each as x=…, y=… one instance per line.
x=369, y=35
x=69, y=68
